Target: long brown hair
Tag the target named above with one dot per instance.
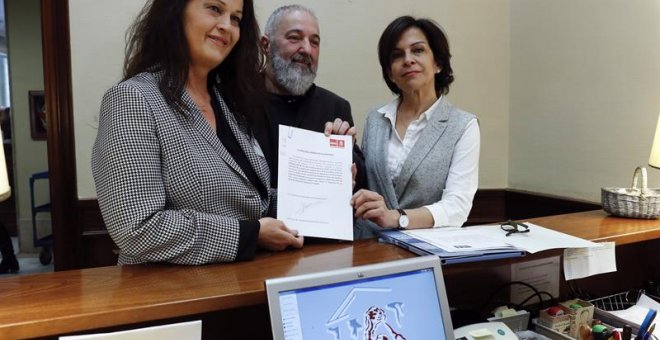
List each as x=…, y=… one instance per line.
x=157, y=43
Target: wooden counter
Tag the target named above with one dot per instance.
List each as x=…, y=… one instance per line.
x=70, y=301
x=598, y=226
x=79, y=300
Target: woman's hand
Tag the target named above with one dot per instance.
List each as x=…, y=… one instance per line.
x=274, y=235
x=371, y=206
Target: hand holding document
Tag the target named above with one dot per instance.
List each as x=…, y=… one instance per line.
x=314, y=183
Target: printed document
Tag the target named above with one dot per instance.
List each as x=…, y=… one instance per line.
x=542, y=274
x=191, y=330
x=485, y=237
x=583, y=262
x=536, y=240
x=315, y=183
x=459, y=239
x=635, y=315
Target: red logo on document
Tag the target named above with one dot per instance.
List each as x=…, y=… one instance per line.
x=337, y=143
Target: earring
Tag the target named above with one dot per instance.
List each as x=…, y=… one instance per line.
x=437, y=70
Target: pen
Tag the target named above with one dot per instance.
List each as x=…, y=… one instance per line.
x=647, y=336
x=651, y=329
x=645, y=324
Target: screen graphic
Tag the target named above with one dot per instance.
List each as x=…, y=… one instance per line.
x=401, y=306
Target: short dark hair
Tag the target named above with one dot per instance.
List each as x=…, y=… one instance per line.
x=157, y=43
x=437, y=42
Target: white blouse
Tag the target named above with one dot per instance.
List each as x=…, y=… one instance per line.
x=454, y=206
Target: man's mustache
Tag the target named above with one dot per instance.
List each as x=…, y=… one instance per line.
x=302, y=58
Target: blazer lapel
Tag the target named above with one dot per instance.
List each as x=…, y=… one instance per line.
x=384, y=127
x=204, y=129
x=427, y=140
x=241, y=133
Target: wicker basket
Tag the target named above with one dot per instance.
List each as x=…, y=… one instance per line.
x=632, y=202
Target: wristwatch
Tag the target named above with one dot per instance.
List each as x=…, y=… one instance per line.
x=403, y=219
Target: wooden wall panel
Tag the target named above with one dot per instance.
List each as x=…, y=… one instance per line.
x=490, y=206
x=524, y=204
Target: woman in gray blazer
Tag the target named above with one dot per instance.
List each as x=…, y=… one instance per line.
x=179, y=176
x=422, y=153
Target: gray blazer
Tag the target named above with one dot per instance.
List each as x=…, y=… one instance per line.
x=424, y=173
x=168, y=189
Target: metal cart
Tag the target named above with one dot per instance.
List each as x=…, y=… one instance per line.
x=45, y=242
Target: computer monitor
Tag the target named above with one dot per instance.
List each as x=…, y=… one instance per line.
x=404, y=299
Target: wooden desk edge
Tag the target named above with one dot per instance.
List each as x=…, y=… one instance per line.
x=598, y=226
x=81, y=322
x=220, y=286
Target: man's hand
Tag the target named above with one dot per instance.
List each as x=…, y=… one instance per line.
x=353, y=173
x=340, y=127
x=274, y=235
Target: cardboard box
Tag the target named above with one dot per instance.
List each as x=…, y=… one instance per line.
x=558, y=323
x=581, y=312
x=550, y=333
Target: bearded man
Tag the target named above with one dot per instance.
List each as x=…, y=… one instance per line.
x=292, y=44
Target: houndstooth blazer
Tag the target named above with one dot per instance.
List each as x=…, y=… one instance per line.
x=168, y=189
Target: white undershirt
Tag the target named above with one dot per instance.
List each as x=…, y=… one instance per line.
x=454, y=207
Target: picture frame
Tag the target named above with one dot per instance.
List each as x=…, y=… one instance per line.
x=38, y=122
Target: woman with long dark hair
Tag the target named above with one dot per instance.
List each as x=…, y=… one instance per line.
x=179, y=175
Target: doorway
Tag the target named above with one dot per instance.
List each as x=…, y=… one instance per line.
x=26, y=145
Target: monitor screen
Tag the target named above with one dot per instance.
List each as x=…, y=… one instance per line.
x=402, y=299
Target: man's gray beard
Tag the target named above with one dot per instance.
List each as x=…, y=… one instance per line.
x=290, y=76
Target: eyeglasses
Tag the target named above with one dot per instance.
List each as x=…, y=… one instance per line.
x=512, y=227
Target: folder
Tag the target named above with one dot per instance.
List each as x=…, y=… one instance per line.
x=421, y=247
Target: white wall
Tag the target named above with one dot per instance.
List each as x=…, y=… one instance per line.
x=349, y=66
x=566, y=91
x=585, y=94
x=98, y=29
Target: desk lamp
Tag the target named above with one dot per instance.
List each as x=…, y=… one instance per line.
x=5, y=189
x=654, y=159
x=636, y=202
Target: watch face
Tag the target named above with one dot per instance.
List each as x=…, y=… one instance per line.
x=403, y=221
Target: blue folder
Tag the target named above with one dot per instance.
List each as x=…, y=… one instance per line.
x=421, y=247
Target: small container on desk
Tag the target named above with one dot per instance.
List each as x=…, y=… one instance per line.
x=581, y=312
x=518, y=321
x=549, y=332
x=556, y=319
x=633, y=202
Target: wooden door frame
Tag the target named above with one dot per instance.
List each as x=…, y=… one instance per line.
x=61, y=137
